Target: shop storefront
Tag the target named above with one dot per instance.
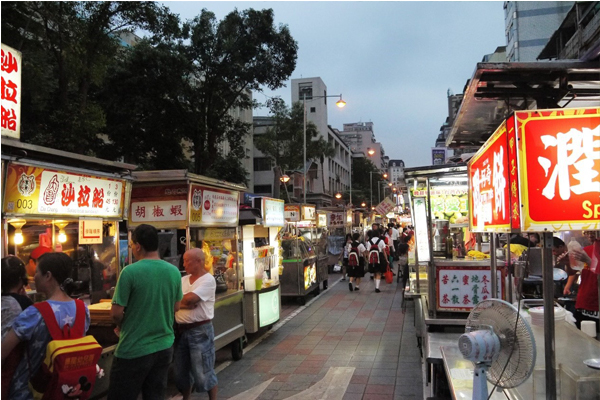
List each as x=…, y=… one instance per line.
x=299, y=276
x=193, y=211
x=262, y=262
x=58, y=201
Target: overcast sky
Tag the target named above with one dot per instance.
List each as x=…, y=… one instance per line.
x=393, y=62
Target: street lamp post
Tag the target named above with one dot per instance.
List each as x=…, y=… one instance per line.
x=340, y=103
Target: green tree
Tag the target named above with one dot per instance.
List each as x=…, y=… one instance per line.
x=365, y=177
x=285, y=138
x=244, y=52
x=67, y=48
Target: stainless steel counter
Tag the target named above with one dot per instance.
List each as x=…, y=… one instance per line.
x=460, y=375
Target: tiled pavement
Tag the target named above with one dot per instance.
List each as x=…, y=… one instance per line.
x=364, y=330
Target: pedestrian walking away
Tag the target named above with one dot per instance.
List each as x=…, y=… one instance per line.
x=356, y=262
x=195, y=335
x=147, y=295
x=377, y=261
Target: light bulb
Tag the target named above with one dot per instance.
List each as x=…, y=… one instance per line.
x=62, y=236
x=18, y=239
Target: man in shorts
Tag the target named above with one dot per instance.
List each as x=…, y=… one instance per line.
x=195, y=344
x=147, y=296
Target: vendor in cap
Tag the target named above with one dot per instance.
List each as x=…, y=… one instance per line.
x=33, y=257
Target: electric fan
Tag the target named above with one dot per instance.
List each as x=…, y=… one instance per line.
x=502, y=354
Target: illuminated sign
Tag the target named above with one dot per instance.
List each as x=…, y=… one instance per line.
x=213, y=207
x=292, y=213
x=309, y=213
x=273, y=212
x=11, y=92
x=33, y=190
x=268, y=307
x=548, y=166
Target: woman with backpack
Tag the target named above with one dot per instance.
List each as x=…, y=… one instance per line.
x=356, y=262
x=52, y=278
x=376, y=258
x=345, y=258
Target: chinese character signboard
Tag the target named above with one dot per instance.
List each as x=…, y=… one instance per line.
x=321, y=220
x=273, y=212
x=90, y=231
x=40, y=191
x=386, y=206
x=11, y=92
x=292, y=213
x=156, y=205
x=213, y=207
x=335, y=220
x=559, y=168
x=489, y=183
x=539, y=171
x=461, y=288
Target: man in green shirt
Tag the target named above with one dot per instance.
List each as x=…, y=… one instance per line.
x=147, y=296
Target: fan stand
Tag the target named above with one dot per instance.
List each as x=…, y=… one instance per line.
x=480, y=388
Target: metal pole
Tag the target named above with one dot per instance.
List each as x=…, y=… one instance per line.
x=378, y=192
x=304, y=166
x=350, y=177
x=371, y=186
x=548, y=290
x=493, y=266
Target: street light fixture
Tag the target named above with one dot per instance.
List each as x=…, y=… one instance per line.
x=341, y=104
x=285, y=179
x=385, y=175
x=338, y=195
x=370, y=151
x=363, y=204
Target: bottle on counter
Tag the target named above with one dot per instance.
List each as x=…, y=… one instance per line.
x=449, y=247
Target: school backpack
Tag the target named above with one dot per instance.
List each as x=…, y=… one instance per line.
x=374, y=252
x=69, y=368
x=353, y=259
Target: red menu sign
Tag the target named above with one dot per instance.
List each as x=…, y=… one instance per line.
x=489, y=184
x=559, y=163
x=539, y=171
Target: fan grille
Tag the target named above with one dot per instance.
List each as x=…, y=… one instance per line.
x=501, y=316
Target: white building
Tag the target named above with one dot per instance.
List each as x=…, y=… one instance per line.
x=360, y=138
x=323, y=180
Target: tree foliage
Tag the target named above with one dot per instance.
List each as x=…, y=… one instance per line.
x=159, y=104
x=67, y=48
x=284, y=141
x=365, y=177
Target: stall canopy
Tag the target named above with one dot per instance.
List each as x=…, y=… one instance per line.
x=497, y=89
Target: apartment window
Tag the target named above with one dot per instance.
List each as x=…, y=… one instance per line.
x=263, y=189
x=305, y=89
x=313, y=109
x=262, y=164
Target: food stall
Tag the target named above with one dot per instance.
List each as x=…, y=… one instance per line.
x=299, y=276
x=67, y=203
x=337, y=224
x=320, y=240
x=538, y=172
x=192, y=211
x=262, y=262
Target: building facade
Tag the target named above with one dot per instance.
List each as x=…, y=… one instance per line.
x=325, y=177
x=529, y=25
x=360, y=138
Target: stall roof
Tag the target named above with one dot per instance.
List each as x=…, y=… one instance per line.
x=250, y=216
x=434, y=170
x=184, y=174
x=16, y=150
x=497, y=89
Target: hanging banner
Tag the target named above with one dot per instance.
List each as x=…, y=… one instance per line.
x=90, y=231
x=11, y=92
x=309, y=213
x=386, y=206
x=34, y=190
x=335, y=219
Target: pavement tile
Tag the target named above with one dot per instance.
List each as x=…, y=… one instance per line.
x=356, y=388
x=352, y=396
x=359, y=379
x=362, y=371
x=316, y=357
x=387, y=372
x=379, y=389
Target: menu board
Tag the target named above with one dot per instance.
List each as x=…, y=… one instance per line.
x=292, y=213
x=42, y=191
x=213, y=206
x=461, y=288
x=421, y=231
x=309, y=213
x=335, y=220
x=273, y=212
